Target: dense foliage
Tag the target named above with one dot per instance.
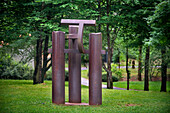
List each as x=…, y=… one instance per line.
x=130, y=29
x=10, y=69
x=104, y=78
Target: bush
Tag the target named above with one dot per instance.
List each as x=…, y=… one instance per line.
x=116, y=71
x=49, y=75
x=104, y=78
x=10, y=69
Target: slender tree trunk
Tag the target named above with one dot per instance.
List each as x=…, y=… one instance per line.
x=163, y=70
x=140, y=64
x=40, y=61
x=146, y=85
x=127, y=71
x=109, y=73
x=45, y=55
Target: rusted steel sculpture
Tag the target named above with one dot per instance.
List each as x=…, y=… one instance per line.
x=95, y=69
x=74, y=69
x=58, y=69
x=75, y=50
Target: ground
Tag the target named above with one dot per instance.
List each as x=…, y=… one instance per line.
x=20, y=96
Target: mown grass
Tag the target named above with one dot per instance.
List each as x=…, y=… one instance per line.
x=139, y=85
x=20, y=96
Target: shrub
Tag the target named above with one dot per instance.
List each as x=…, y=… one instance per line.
x=10, y=69
x=104, y=78
x=116, y=71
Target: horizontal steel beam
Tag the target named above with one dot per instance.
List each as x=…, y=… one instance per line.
x=76, y=22
x=72, y=36
x=76, y=51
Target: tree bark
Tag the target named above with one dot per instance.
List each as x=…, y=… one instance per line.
x=163, y=70
x=146, y=84
x=109, y=72
x=40, y=60
x=38, y=63
x=140, y=64
x=35, y=64
x=45, y=55
x=127, y=71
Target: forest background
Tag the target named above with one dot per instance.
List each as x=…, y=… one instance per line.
x=131, y=30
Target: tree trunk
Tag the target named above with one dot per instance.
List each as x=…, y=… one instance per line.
x=109, y=72
x=146, y=85
x=163, y=70
x=38, y=63
x=140, y=64
x=45, y=55
x=37, y=77
x=127, y=71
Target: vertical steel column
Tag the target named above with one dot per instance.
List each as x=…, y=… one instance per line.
x=58, y=67
x=74, y=69
x=95, y=69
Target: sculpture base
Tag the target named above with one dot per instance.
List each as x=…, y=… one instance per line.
x=77, y=104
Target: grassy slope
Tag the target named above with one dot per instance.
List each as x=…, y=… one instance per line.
x=22, y=96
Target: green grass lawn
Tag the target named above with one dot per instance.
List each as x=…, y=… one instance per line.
x=139, y=85
x=20, y=96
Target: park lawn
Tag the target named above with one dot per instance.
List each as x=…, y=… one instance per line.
x=134, y=73
x=20, y=96
x=139, y=85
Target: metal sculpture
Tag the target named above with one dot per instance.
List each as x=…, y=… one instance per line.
x=75, y=50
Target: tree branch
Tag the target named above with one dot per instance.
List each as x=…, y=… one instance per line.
x=104, y=67
x=112, y=42
x=48, y=60
x=48, y=66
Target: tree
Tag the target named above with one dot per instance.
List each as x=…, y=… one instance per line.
x=112, y=21
x=136, y=14
x=160, y=34
x=13, y=20
x=38, y=18
x=140, y=63
x=13, y=31
x=127, y=70
x=23, y=30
